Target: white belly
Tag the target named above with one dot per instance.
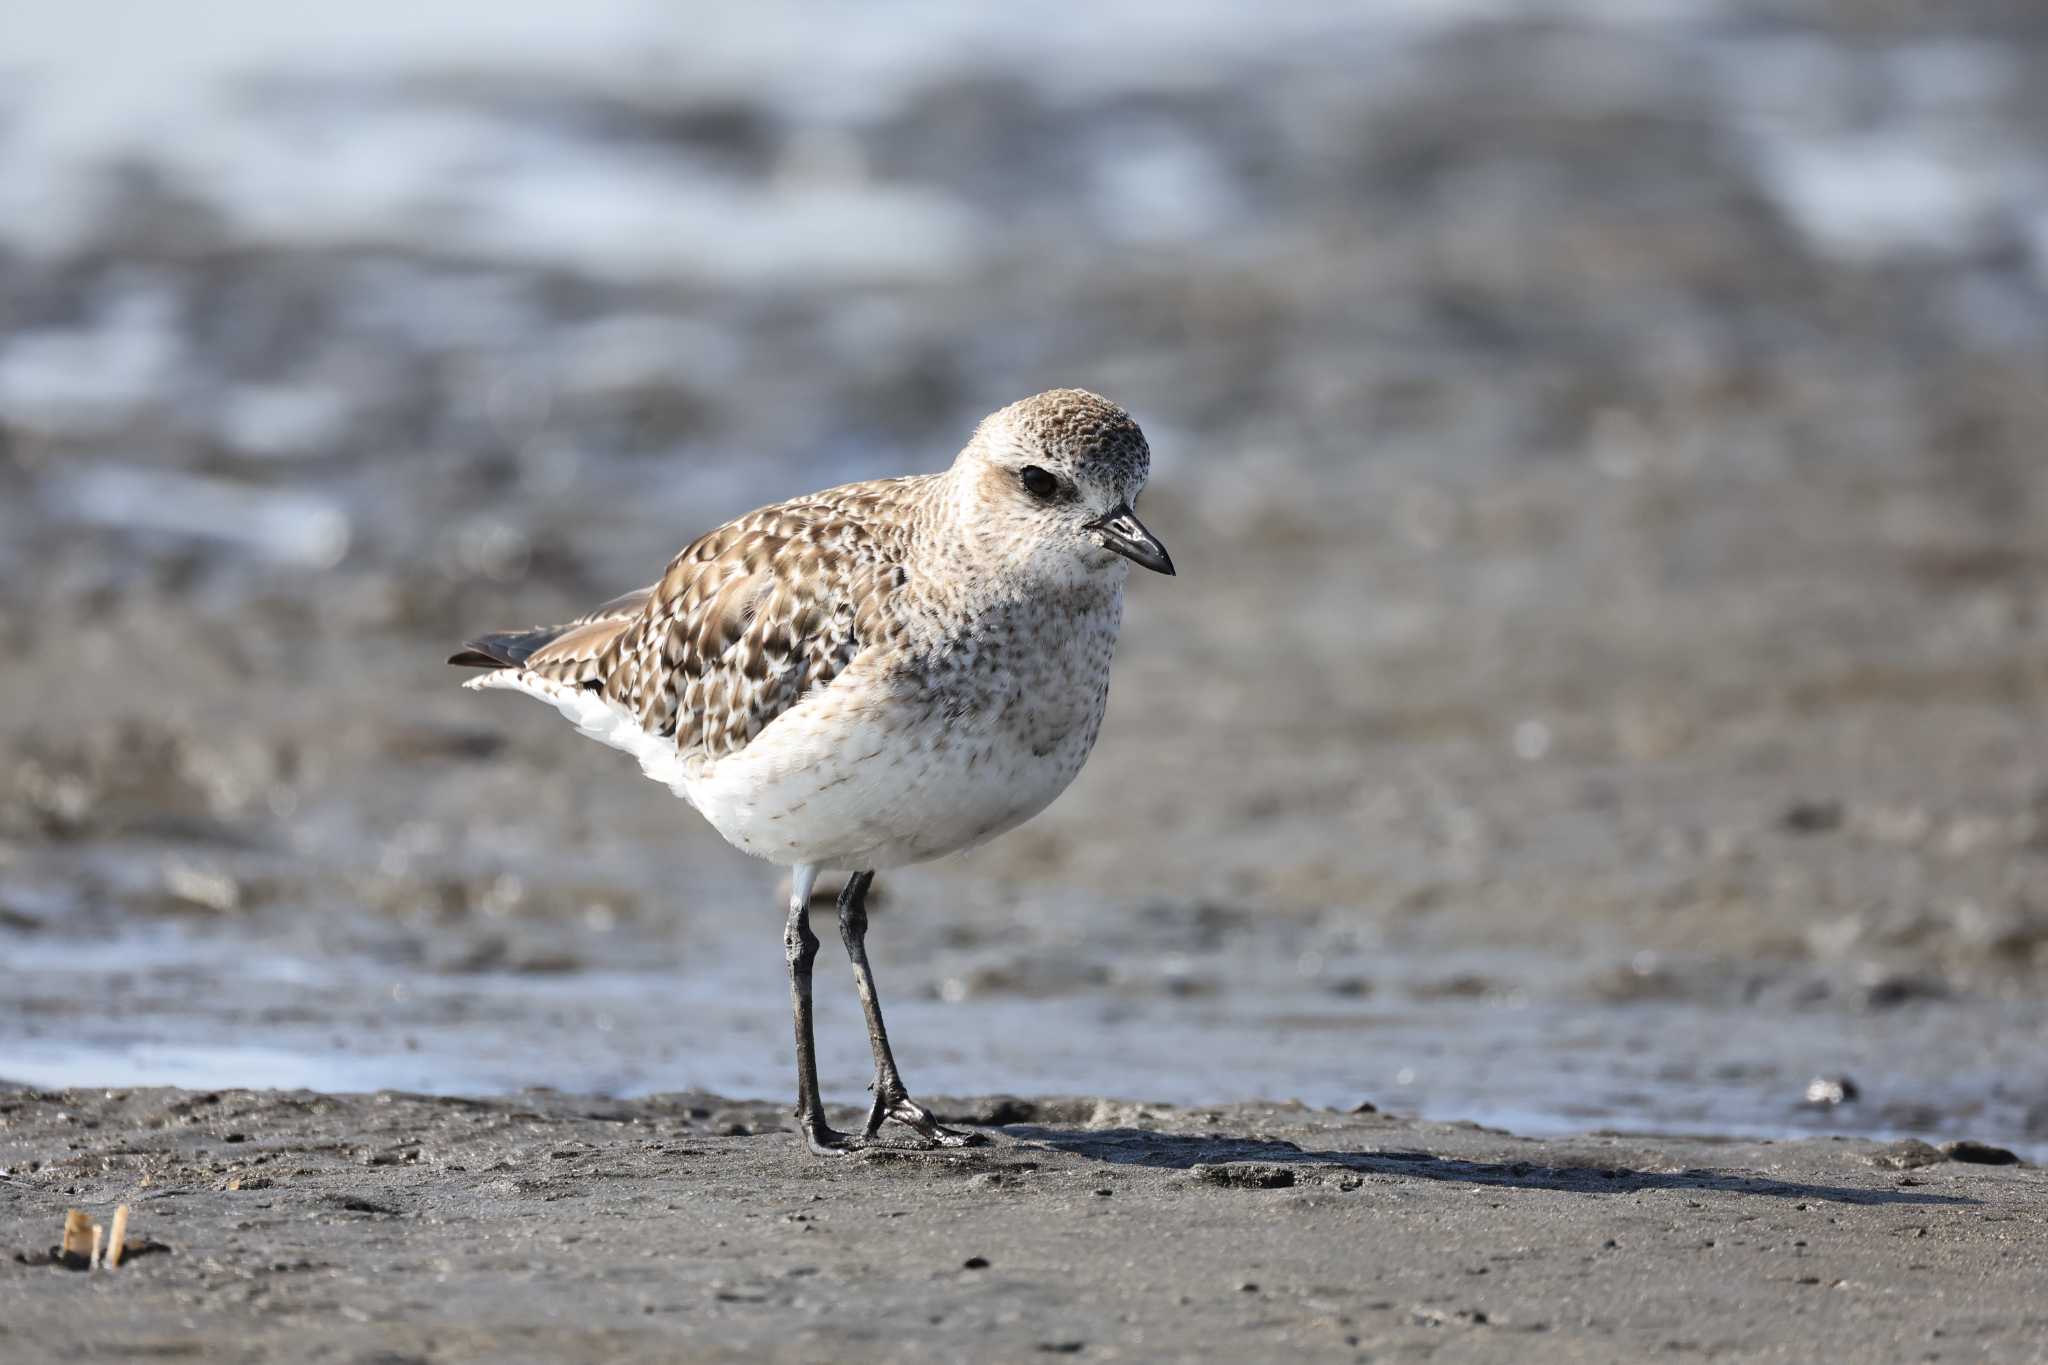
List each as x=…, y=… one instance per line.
x=882, y=787
x=874, y=772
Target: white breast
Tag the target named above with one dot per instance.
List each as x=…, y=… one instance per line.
x=912, y=756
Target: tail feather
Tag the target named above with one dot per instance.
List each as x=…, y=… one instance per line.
x=573, y=649
x=505, y=648
x=576, y=654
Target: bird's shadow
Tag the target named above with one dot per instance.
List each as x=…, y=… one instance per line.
x=1176, y=1151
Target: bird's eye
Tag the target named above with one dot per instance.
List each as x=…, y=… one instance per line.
x=1037, y=482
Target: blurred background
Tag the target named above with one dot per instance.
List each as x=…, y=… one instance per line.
x=1607, y=684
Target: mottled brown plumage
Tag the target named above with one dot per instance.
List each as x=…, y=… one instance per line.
x=753, y=616
x=873, y=675
x=746, y=620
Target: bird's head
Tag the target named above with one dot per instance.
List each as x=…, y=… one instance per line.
x=1049, y=484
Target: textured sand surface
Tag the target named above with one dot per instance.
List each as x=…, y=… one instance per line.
x=683, y=1227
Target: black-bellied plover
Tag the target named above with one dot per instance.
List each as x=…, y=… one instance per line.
x=871, y=676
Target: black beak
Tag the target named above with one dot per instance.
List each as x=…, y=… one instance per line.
x=1122, y=532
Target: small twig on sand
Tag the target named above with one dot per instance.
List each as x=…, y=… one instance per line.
x=77, y=1233
x=119, y=1237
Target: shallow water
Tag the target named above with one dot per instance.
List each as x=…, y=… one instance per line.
x=199, y=1011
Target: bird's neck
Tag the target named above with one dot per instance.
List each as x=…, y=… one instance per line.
x=965, y=565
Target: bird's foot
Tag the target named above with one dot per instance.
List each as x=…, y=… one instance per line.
x=828, y=1141
x=902, y=1109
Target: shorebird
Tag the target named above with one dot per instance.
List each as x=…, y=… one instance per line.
x=872, y=676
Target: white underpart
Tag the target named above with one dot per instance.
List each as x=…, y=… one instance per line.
x=597, y=719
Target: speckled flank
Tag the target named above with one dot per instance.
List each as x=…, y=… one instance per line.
x=877, y=674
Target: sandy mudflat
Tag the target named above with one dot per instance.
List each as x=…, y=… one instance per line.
x=1607, y=684
x=552, y=1227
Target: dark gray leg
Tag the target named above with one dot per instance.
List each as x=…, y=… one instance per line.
x=892, y=1100
x=800, y=945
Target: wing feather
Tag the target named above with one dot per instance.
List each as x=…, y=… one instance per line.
x=746, y=621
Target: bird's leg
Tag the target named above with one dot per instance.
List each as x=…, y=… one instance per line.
x=800, y=945
x=892, y=1101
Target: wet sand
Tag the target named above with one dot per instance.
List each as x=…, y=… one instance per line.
x=545, y=1226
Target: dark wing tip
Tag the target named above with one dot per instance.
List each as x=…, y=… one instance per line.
x=503, y=649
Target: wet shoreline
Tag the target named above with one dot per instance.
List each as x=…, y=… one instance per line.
x=294, y=1225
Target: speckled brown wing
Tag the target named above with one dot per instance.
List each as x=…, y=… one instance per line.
x=747, y=620
x=567, y=653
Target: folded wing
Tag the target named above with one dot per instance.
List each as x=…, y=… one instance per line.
x=746, y=622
